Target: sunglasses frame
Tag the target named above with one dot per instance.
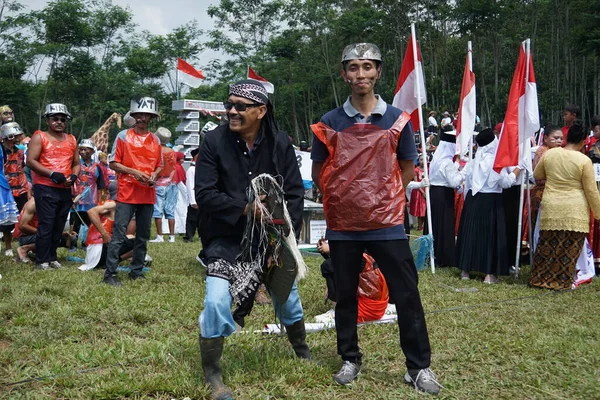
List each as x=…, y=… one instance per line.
x=240, y=107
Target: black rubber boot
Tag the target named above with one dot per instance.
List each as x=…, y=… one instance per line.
x=297, y=336
x=211, y=351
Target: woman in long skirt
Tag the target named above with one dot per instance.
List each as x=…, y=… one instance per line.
x=444, y=178
x=418, y=204
x=565, y=219
x=481, y=245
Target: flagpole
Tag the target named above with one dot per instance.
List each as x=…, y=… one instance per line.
x=177, y=83
x=470, y=56
x=522, y=155
x=422, y=135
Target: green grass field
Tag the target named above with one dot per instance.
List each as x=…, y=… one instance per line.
x=64, y=335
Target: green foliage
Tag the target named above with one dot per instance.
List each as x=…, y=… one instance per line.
x=89, y=55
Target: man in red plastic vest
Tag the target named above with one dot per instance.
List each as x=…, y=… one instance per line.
x=54, y=162
x=363, y=156
x=137, y=159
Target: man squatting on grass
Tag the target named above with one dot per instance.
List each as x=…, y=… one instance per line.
x=230, y=157
x=364, y=208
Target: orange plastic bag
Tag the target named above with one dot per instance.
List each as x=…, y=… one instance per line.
x=360, y=180
x=373, y=293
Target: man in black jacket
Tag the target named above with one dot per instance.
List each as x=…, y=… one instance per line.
x=230, y=157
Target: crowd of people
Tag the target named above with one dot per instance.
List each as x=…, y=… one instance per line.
x=475, y=208
x=244, y=196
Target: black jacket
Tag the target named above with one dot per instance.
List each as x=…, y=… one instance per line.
x=224, y=170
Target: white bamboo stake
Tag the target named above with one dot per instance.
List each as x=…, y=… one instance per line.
x=422, y=135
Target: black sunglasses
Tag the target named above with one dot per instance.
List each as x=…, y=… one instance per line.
x=56, y=119
x=239, y=106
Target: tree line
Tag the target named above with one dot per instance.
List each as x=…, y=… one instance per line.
x=90, y=56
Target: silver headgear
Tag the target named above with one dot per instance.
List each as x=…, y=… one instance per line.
x=9, y=130
x=56, y=108
x=87, y=143
x=361, y=51
x=147, y=105
x=209, y=126
x=163, y=134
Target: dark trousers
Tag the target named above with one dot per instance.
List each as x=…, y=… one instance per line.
x=76, y=222
x=395, y=261
x=143, y=218
x=52, y=208
x=192, y=223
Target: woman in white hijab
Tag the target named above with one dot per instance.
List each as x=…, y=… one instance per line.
x=481, y=244
x=444, y=178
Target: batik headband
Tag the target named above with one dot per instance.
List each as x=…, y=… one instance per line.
x=251, y=90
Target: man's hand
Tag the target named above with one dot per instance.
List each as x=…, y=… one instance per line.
x=71, y=180
x=140, y=176
x=58, y=177
x=257, y=209
x=105, y=238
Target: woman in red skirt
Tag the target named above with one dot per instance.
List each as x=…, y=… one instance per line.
x=418, y=206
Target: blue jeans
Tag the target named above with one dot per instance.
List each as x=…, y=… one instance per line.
x=216, y=320
x=166, y=200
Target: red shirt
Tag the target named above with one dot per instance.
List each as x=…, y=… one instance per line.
x=141, y=152
x=56, y=155
x=93, y=236
x=34, y=222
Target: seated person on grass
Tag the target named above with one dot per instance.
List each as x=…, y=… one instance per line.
x=26, y=232
x=102, y=218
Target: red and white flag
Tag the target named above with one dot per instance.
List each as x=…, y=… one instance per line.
x=522, y=118
x=188, y=74
x=465, y=125
x=405, y=97
x=268, y=85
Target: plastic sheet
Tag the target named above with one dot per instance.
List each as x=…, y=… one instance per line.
x=136, y=153
x=373, y=294
x=361, y=180
x=57, y=156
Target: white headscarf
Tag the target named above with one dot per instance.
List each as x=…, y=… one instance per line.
x=483, y=164
x=445, y=150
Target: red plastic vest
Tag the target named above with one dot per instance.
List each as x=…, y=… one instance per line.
x=13, y=169
x=56, y=155
x=361, y=180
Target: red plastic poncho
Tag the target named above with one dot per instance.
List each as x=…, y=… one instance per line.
x=361, y=180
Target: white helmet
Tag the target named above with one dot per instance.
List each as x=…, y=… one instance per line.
x=209, y=126
x=56, y=108
x=163, y=134
x=9, y=130
x=87, y=143
x=147, y=105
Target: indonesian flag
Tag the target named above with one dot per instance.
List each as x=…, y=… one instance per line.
x=465, y=125
x=405, y=97
x=188, y=74
x=268, y=85
x=522, y=119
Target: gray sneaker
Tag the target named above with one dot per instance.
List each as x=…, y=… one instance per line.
x=42, y=266
x=348, y=373
x=55, y=264
x=424, y=380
